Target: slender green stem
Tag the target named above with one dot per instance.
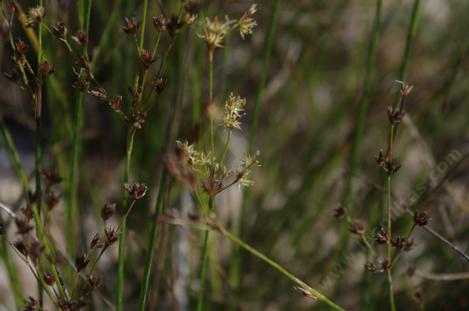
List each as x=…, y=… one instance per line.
x=152, y=242
x=354, y=163
x=212, y=131
x=130, y=142
x=225, y=149
x=12, y=272
x=123, y=226
x=72, y=195
x=302, y=285
x=203, y=271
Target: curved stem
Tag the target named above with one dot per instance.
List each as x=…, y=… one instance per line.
x=303, y=287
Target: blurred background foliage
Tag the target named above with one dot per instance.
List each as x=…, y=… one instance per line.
x=307, y=119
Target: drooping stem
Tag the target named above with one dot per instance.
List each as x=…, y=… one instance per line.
x=305, y=288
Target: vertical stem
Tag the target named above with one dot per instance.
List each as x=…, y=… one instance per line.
x=152, y=242
x=389, y=220
x=123, y=227
x=203, y=271
x=130, y=142
x=212, y=134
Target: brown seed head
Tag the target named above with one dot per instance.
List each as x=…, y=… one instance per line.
x=371, y=267
x=340, y=212
x=130, y=26
x=23, y=226
x=21, y=247
x=421, y=218
x=173, y=26
x=80, y=37
x=136, y=190
x=81, y=262
x=116, y=103
x=159, y=84
x=52, y=199
x=49, y=278
x=108, y=211
x=159, y=22
x=147, y=58
x=111, y=236
x=21, y=47
x=99, y=93
x=212, y=186
x=36, y=249
x=94, y=281
x=51, y=178
x=59, y=30
x=96, y=242
x=356, y=228
x=381, y=237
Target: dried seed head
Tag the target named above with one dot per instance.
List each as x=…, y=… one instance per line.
x=130, y=26
x=136, y=190
x=82, y=84
x=192, y=9
x=35, y=15
x=386, y=164
x=386, y=265
x=116, y=103
x=215, y=31
x=212, y=186
x=49, y=278
x=173, y=26
x=356, y=228
x=30, y=304
x=246, y=23
x=405, y=88
x=381, y=237
x=371, y=267
x=27, y=211
x=59, y=30
x=421, y=218
x=395, y=115
x=138, y=118
x=159, y=84
x=36, y=249
x=108, y=211
x=51, y=178
x=21, y=47
x=111, y=236
x=94, y=281
x=52, y=199
x=398, y=242
x=96, y=242
x=160, y=23
x=99, y=93
x=147, y=58
x=23, y=226
x=81, y=262
x=21, y=247
x=80, y=38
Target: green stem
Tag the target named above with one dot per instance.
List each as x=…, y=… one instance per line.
x=212, y=131
x=72, y=197
x=203, y=271
x=302, y=285
x=152, y=242
x=123, y=226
